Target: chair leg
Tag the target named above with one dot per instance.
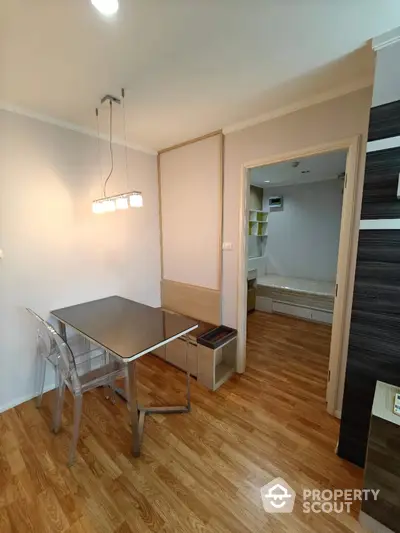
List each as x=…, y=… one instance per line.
x=59, y=404
x=110, y=392
x=88, y=362
x=113, y=386
x=77, y=422
x=55, y=396
x=127, y=390
x=41, y=375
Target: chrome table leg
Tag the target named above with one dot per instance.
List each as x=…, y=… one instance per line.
x=138, y=413
x=134, y=413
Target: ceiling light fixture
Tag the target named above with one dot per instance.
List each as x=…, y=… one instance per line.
x=267, y=181
x=108, y=204
x=106, y=7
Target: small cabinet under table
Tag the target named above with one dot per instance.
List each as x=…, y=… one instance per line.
x=212, y=364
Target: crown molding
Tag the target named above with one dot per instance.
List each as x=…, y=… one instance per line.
x=357, y=85
x=11, y=108
x=386, y=39
x=362, y=83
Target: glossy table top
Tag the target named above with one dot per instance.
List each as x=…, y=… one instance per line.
x=124, y=327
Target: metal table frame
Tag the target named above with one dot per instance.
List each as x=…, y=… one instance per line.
x=138, y=413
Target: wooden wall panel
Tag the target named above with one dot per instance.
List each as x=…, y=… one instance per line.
x=384, y=121
x=383, y=473
x=374, y=336
x=380, y=185
x=197, y=302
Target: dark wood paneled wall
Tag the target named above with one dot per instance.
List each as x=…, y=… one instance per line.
x=382, y=473
x=374, y=343
x=380, y=185
x=384, y=121
x=374, y=346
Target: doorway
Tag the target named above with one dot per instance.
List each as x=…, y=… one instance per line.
x=323, y=274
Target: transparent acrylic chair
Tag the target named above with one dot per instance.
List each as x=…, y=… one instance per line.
x=46, y=352
x=74, y=373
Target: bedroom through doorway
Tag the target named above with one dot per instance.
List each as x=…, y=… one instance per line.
x=294, y=213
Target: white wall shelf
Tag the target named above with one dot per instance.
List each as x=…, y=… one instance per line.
x=257, y=228
x=256, y=215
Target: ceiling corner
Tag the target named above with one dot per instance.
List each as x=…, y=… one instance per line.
x=386, y=39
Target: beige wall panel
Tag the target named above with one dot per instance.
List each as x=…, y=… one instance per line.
x=197, y=302
x=191, y=211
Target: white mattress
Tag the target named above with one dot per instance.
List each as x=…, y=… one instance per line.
x=308, y=286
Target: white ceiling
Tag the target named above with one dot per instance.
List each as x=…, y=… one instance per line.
x=321, y=167
x=190, y=66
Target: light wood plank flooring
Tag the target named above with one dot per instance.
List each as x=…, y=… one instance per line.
x=198, y=473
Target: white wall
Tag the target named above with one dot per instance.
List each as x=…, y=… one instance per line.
x=327, y=122
x=56, y=252
x=303, y=237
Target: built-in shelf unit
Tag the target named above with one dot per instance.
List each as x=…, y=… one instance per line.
x=258, y=223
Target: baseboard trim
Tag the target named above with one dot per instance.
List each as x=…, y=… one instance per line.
x=23, y=399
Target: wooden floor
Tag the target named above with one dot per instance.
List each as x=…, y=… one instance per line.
x=200, y=472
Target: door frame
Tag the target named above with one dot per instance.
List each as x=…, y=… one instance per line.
x=351, y=212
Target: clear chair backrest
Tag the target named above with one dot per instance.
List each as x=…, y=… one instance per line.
x=66, y=361
x=45, y=344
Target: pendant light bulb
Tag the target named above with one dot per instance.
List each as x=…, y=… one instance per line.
x=109, y=206
x=98, y=208
x=136, y=200
x=122, y=203
x=106, y=7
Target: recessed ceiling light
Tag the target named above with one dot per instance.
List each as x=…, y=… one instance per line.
x=267, y=181
x=106, y=7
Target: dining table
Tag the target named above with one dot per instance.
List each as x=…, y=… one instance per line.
x=129, y=330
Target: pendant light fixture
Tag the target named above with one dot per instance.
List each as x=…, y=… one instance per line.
x=109, y=204
x=106, y=7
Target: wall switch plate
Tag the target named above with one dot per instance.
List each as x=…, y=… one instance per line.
x=396, y=408
x=227, y=246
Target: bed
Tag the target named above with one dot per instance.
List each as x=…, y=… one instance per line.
x=305, y=298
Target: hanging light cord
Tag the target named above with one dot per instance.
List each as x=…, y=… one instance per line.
x=111, y=152
x=98, y=146
x=125, y=136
